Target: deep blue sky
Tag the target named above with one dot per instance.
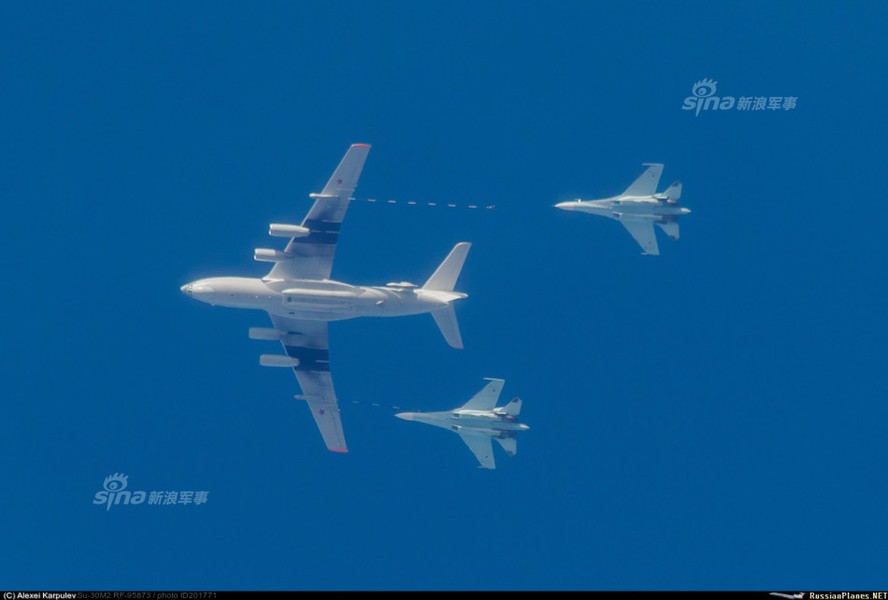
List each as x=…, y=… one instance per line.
x=714, y=418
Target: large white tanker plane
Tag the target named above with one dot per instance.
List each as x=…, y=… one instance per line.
x=300, y=297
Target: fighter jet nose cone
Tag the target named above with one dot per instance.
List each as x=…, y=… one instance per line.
x=186, y=289
x=405, y=416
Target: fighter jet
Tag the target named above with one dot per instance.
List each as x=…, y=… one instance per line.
x=478, y=421
x=639, y=207
x=301, y=299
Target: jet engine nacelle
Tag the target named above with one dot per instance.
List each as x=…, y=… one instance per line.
x=278, y=360
x=264, y=333
x=273, y=335
x=267, y=255
x=287, y=231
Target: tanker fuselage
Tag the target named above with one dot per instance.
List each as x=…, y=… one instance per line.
x=318, y=300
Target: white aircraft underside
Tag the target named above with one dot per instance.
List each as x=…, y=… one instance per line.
x=300, y=298
x=478, y=422
x=639, y=208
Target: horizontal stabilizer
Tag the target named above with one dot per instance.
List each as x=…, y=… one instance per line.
x=673, y=192
x=509, y=444
x=445, y=276
x=485, y=399
x=513, y=408
x=670, y=229
x=445, y=318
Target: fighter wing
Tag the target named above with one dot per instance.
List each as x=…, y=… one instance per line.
x=312, y=254
x=487, y=397
x=481, y=447
x=308, y=342
x=643, y=232
x=670, y=228
x=646, y=184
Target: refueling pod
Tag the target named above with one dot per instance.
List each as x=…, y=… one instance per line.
x=277, y=360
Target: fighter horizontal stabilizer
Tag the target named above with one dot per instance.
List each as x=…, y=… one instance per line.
x=480, y=446
x=445, y=276
x=509, y=444
x=513, y=408
x=646, y=184
x=643, y=232
x=445, y=318
x=670, y=228
x=485, y=399
x=673, y=193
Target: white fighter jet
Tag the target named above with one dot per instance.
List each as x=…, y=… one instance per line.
x=300, y=297
x=639, y=208
x=478, y=421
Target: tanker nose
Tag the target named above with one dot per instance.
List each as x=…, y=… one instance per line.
x=197, y=290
